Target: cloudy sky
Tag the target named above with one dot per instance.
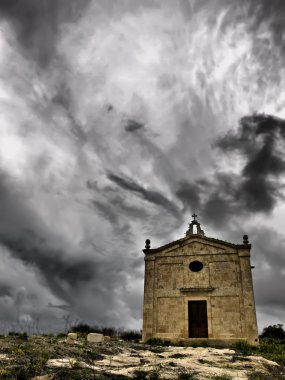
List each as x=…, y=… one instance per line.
x=119, y=118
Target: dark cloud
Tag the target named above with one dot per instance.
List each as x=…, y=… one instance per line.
x=189, y=194
x=269, y=11
x=64, y=99
x=54, y=267
x=212, y=198
x=256, y=141
x=69, y=273
x=37, y=22
x=151, y=196
x=133, y=125
x=112, y=215
x=5, y=290
x=117, y=206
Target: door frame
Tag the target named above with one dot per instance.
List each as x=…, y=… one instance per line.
x=206, y=302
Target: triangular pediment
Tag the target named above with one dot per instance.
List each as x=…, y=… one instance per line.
x=202, y=245
x=195, y=244
x=198, y=245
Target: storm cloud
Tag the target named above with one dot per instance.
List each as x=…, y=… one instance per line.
x=151, y=196
x=37, y=24
x=256, y=185
x=118, y=121
x=260, y=143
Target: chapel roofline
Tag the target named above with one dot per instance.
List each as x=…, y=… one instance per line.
x=198, y=235
x=192, y=237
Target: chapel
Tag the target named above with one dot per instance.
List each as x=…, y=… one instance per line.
x=199, y=288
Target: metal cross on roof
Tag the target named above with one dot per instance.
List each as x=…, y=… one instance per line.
x=194, y=216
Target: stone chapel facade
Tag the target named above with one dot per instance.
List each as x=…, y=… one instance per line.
x=199, y=287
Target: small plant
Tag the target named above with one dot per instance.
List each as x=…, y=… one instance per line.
x=243, y=346
x=263, y=376
x=5, y=374
x=154, y=375
x=72, y=374
x=186, y=376
x=140, y=375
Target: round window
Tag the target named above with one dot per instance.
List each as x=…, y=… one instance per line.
x=196, y=266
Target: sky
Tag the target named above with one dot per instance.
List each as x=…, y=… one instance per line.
x=118, y=120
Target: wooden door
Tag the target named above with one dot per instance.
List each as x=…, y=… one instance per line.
x=197, y=318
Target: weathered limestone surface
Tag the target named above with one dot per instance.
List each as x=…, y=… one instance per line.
x=225, y=283
x=203, y=363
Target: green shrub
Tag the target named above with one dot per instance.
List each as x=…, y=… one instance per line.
x=263, y=376
x=271, y=347
x=110, y=331
x=158, y=342
x=22, y=336
x=154, y=375
x=243, y=346
x=131, y=335
x=82, y=328
x=274, y=332
x=140, y=375
x=33, y=367
x=69, y=374
x=186, y=376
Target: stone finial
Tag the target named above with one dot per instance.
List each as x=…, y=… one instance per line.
x=245, y=239
x=147, y=244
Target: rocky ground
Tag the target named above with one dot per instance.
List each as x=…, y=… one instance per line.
x=54, y=358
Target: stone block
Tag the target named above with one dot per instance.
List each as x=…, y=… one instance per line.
x=95, y=338
x=71, y=338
